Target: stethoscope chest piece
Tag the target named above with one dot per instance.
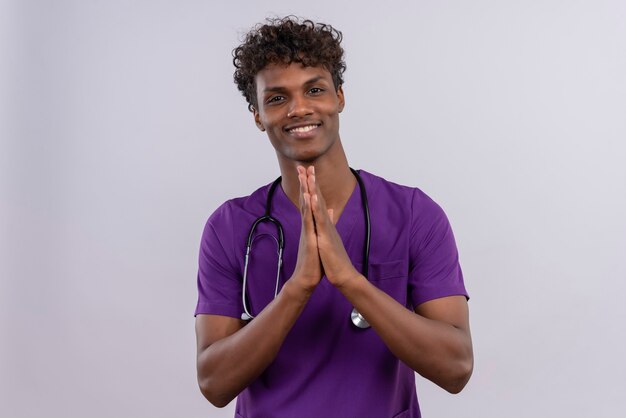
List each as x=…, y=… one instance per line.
x=358, y=320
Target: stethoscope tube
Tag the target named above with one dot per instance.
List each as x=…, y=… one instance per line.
x=267, y=217
x=357, y=319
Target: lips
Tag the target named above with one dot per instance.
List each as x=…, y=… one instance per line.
x=302, y=128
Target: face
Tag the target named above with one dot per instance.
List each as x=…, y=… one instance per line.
x=299, y=109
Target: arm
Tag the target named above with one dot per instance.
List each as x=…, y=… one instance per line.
x=231, y=353
x=434, y=340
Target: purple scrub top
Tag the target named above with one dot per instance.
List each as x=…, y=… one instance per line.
x=326, y=366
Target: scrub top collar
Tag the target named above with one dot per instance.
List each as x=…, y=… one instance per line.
x=288, y=214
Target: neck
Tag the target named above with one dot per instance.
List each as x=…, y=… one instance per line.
x=334, y=179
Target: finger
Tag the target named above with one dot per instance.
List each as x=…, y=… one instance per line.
x=301, y=172
x=302, y=176
x=331, y=215
x=320, y=215
x=311, y=181
x=318, y=202
x=315, y=191
x=303, y=208
x=302, y=190
x=307, y=217
x=303, y=187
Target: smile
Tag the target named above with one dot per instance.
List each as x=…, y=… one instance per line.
x=303, y=129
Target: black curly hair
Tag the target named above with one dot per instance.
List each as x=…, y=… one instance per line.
x=283, y=41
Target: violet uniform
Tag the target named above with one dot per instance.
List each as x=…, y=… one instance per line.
x=326, y=366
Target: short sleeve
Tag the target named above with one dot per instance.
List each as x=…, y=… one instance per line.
x=219, y=282
x=434, y=270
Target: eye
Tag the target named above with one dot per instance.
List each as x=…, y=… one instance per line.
x=274, y=99
x=316, y=90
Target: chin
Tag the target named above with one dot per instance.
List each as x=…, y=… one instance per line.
x=306, y=153
x=307, y=156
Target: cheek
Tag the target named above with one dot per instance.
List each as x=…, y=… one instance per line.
x=333, y=109
x=270, y=121
x=274, y=135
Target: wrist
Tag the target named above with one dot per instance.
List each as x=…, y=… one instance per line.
x=348, y=279
x=295, y=290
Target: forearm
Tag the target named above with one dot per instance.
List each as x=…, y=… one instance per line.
x=229, y=365
x=437, y=350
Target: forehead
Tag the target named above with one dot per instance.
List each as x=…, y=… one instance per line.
x=289, y=76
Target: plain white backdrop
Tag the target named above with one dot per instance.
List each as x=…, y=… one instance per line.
x=122, y=131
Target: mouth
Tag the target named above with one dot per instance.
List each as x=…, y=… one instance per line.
x=303, y=129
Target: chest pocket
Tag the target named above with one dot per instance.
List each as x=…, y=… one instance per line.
x=391, y=277
x=386, y=270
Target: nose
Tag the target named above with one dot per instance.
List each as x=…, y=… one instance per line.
x=299, y=107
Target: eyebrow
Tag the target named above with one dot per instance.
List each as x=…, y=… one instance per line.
x=306, y=83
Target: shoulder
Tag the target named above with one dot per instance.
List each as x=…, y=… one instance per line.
x=237, y=209
x=243, y=204
x=407, y=205
x=387, y=191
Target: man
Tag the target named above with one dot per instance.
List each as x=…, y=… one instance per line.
x=301, y=355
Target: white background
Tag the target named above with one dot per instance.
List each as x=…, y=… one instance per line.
x=122, y=131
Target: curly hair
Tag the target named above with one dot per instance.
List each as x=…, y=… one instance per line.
x=284, y=41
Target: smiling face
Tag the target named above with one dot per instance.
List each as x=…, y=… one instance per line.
x=299, y=109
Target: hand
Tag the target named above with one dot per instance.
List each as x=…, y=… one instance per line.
x=335, y=261
x=308, y=271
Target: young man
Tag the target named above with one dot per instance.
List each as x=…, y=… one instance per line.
x=369, y=289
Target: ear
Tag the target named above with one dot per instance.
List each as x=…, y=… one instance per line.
x=257, y=119
x=342, y=100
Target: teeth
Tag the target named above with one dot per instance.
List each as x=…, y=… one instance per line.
x=303, y=128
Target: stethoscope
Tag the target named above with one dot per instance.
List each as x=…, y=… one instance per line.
x=356, y=318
